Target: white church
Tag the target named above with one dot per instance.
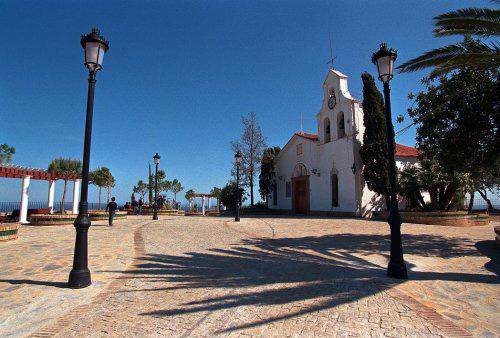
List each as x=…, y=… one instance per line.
x=321, y=173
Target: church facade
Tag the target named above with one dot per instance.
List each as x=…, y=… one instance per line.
x=320, y=173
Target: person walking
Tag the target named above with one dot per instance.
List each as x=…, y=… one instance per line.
x=111, y=209
x=140, y=206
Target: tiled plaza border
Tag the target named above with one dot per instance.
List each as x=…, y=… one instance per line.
x=445, y=325
x=72, y=315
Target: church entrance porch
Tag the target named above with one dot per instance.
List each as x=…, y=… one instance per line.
x=300, y=194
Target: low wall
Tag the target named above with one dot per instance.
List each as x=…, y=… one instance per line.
x=9, y=231
x=453, y=218
x=54, y=219
x=170, y=212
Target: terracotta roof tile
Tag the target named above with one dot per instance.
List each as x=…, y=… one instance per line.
x=405, y=151
x=401, y=150
x=313, y=137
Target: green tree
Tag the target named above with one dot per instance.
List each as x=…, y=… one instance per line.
x=374, y=149
x=109, y=184
x=458, y=126
x=216, y=193
x=230, y=194
x=251, y=145
x=468, y=22
x=189, y=197
x=141, y=188
x=176, y=187
x=165, y=186
x=100, y=177
x=65, y=169
x=6, y=153
x=266, y=176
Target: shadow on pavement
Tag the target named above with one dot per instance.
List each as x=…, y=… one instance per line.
x=321, y=272
x=34, y=282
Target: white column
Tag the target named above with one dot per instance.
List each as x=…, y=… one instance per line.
x=76, y=195
x=52, y=186
x=203, y=205
x=209, y=203
x=23, y=210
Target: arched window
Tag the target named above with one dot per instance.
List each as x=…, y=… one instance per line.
x=326, y=127
x=299, y=170
x=335, y=190
x=340, y=125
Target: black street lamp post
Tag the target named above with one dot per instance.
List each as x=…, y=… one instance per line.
x=95, y=46
x=384, y=60
x=238, y=157
x=155, y=206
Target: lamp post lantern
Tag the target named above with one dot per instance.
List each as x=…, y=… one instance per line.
x=384, y=60
x=237, y=158
x=95, y=47
x=156, y=158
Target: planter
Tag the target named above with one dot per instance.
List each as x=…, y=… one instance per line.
x=452, y=218
x=54, y=219
x=9, y=231
x=101, y=215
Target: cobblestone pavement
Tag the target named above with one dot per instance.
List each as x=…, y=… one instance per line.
x=198, y=276
x=34, y=270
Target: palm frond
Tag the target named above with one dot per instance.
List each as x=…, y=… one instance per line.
x=444, y=59
x=474, y=21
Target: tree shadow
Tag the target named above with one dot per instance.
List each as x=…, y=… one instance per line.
x=321, y=272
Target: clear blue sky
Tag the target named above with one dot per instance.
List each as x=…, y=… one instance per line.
x=179, y=75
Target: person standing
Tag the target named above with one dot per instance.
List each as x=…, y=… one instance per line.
x=111, y=209
x=135, y=206
x=140, y=206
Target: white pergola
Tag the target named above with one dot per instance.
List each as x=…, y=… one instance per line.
x=27, y=174
x=203, y=197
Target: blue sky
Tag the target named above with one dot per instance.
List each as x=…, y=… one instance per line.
x=179, y=75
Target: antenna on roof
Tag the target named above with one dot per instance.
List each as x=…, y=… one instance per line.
x=301, y=125
x=331, y=51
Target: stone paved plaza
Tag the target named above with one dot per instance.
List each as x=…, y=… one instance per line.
x=195, y=276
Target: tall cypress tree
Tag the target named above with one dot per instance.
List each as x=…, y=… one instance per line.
x=150, y=185
x=374, y=148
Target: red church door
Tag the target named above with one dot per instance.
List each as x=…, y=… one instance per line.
x=300, y=195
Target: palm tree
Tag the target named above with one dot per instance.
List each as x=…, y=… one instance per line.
x=176, y=187
x=189, y=197
x=97, y=177
x=216, y=193
x=6, y=153
x=65, y=169
x=477, y=22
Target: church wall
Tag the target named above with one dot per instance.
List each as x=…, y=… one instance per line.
x=334, y=157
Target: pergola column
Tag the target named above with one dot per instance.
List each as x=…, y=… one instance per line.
x=52, y=186
x=208, y=203
x=23, y=210
x=76, y=195
x=203, y=205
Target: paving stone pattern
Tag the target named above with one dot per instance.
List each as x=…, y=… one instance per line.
x=195, y=276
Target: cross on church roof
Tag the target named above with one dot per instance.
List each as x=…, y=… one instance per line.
x=331, y=52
